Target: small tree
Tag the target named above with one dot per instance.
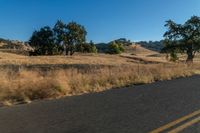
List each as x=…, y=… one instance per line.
x=87, y=48
x=93, y=48
x=183, y=38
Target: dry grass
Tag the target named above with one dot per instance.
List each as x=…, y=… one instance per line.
x=28, y=85
x=84, y=74
x=139, y=50
x=102, y=59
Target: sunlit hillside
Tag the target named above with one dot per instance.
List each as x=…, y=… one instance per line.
x=27, y=78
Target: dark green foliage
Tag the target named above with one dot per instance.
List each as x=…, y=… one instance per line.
x=115, y=48
x=60, y=32
x=63, y=38
x=87, y=48
x=152, y=45
x=123, y=41
x=102, y=47
x=173, y=56
x=183, y=38
x=92, y=48
x=76, y=35
x=171, y=49
x=43, y=42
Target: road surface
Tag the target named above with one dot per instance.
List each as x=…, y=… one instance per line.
x=159, y=107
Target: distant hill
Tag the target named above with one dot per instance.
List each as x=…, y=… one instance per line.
x=152, y=45
x=14, y=46
x=103, y=47
x=123, y=41
x=137, y=49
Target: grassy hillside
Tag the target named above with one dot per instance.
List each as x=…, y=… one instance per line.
x=152, y=45
x=24, y=78
x=17, y=47
x=27, y=78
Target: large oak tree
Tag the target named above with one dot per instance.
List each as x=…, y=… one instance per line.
x=184, y=38
x=62, y=38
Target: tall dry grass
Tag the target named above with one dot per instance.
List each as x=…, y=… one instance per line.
x=29, y=85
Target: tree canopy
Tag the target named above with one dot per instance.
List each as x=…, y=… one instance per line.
x=43, y=41
x=76, y=35
x=62, y=38
x=183, y=38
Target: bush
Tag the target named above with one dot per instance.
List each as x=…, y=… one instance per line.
x=173, y=56
x=115, y=48
x=87, y=48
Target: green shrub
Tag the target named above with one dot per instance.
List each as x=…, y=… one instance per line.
x=115, y=48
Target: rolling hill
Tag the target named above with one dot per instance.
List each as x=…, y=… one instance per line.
x=14, y=46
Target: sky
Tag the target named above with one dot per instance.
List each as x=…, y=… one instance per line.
x=104, y=20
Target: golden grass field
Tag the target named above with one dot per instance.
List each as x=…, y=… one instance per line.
x=24, y=79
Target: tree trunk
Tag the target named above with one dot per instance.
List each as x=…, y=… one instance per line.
x=66, y=50
x=190, y=57
x=71, y=52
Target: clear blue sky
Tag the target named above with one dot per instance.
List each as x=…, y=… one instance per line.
x=104, y=20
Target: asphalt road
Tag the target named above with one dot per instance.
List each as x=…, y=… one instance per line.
x=137, y=109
